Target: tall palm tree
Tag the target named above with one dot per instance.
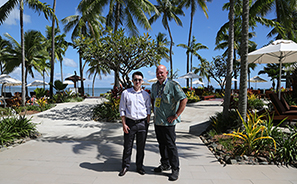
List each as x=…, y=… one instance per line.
x=202, y=69
x=97, y=69
x=4, y=13
x=35, y=54
x=229, y=61
x=192, y=50
x=192, y=4
x=162, y=44
x=242, y=103
x=83, y=25
x=170, y=11
x=52, y=53
x=61, y=45
x=4, y=48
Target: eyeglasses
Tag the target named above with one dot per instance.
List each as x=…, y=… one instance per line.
x=135, y=80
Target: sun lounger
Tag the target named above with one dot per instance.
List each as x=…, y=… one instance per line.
x=280, y=110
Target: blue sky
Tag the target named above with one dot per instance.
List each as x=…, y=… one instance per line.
x=204, y=30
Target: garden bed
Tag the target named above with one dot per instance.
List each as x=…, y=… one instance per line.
x=225, y=156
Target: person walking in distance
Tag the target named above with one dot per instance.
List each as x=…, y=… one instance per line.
x=135, y=110
x=169, y=101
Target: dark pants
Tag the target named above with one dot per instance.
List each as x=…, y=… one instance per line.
x=140, y=130
x=166, y=138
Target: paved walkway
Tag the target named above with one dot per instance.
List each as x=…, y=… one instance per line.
x=76, y=150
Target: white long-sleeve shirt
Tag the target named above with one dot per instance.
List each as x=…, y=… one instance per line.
x=135, y=105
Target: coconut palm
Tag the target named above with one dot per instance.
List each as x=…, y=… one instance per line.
x=4, y=13
x=61, y=45
x=242, y=103
x=97, y=69
x=83, y=25
x=202, y=69
x=4, y=47
x=121, y=12
x=162, y=44
x=35, y=54
x=193, y=4
x=229, y=60
x=52, y=54
x=192, y=50
x=170, y=12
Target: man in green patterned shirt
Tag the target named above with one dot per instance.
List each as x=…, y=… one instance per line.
x=169, y=101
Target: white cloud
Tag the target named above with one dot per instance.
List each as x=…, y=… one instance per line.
x=69, y=62
x=151, y=73
x=14, y=16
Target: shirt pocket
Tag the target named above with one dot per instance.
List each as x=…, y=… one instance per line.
x=166, y=98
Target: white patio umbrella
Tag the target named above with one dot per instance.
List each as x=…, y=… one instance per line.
x=37, y=83
x=279, y=51
x=198, y=82
x=6, y=80
x=256, y=79
x=68, y=82
x=153, y=80
x=190, y=75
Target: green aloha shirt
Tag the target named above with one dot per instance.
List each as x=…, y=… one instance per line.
x=170, y=98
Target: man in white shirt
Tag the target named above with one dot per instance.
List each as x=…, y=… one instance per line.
x=135, y=110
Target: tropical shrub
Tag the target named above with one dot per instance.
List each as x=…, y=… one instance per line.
x=109, y=110
x=222, y=124
x=14, y=128
x=40, y=92
x=192, y=97
x=286, y=150
x=251, y=135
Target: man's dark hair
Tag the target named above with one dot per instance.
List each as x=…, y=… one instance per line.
x=137, y=73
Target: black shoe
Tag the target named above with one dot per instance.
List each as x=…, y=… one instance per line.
x=123, y=171
x=162, y=168
x=141, y=171
x=174, y=175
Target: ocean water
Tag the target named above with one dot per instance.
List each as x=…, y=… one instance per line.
x=97, y=91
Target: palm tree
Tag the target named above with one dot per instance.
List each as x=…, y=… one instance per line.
x=4, y=13
x=202, y=69
x=4, y=48
x=61, y=45
x=193, y=5
x=192, y=49
x=121, y=12
x=162, y=44
x=229, y=61
x=83, y=25
x=170, y=11
x=52, y=53
x=35, y=57
x=242, y=103
x=97, y=68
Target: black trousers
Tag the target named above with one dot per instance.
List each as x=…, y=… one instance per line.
x=140, y=131
x=166, y=138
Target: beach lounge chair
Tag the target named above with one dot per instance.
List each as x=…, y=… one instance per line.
x=280, y=110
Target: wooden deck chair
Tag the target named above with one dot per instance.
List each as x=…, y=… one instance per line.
x=280, y=110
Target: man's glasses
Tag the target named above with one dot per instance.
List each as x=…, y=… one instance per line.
x=135, y=80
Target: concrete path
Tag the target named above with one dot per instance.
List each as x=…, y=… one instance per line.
x=74, y=149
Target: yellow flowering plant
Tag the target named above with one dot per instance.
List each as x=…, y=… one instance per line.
x=251, y=135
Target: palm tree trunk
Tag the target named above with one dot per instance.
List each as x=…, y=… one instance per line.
x=189, y=41
x=117, y=21
x=230, y=61
x=93, y=85
x=23, y=52
x=171, y=44
x=242, y=107
x=81, y=77
x=53, y=53
x=61, y=71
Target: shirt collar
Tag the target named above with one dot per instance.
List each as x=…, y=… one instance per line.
x=137, y=91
